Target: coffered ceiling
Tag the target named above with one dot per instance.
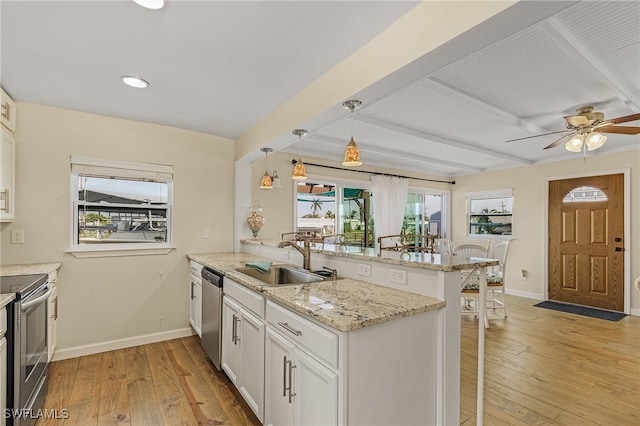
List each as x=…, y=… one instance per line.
x=219, y=67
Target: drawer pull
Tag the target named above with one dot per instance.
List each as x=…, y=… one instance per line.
x=289, y=329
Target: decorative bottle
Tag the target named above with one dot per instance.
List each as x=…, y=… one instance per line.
x=255, y=219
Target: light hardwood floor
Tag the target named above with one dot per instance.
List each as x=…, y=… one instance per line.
x=542, y=368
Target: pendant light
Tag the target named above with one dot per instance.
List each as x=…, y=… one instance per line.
x=266, y=182
x=299, y=172
x=351, y=153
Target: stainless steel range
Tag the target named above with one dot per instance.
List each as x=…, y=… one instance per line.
x=27, y=352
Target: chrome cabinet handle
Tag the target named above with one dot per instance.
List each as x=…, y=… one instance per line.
x=289, y=388
x=192, y=294
x=284, y=376
x=234, y=332
x=289, y=329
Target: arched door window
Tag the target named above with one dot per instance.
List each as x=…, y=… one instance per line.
x=584, y=194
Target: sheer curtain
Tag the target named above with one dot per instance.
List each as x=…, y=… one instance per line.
x=389, y=203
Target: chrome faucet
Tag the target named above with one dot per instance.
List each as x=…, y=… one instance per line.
x=305, y=251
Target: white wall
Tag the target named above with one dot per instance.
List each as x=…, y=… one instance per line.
x=530, y=193
x=116, y=298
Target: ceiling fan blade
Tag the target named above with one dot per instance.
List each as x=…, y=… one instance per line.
x=558, y=142
x=625, y=130
x=577, y=120
x=626, y=118
x=537, y=136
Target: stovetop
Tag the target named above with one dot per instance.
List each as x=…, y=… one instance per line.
x=21, y=285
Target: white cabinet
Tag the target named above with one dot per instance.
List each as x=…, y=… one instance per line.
x=302, y=389
x=7, y=111
x=195, y=296
x=7, y=175
x=52, y=322
x=243, y=333
x=3, y=360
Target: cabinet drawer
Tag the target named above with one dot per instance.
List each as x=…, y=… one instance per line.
x=195, y=267
x=249, y=299
x=304, y=333
x=3, y=321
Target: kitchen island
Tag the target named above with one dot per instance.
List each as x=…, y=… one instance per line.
x=358, y=304
x=423, y=273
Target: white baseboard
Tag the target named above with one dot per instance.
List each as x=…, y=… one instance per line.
x=526, y=294
x=129, y=342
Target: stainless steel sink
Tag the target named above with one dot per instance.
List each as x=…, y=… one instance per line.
x=281, y=275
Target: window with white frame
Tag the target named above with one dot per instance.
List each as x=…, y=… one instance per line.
x=490, y=213
x=120, y=205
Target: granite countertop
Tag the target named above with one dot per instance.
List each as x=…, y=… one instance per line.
x=343, y=304
x=5, y=299
x=434, y=262
x=29, y=268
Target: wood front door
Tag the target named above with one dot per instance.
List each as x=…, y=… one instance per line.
x=586, y=241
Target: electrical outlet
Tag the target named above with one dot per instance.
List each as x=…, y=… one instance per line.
x=364, y=270
x=17, y=236
x=524, y=274
x=206, y=232
x=398, y=276
x=285, y=254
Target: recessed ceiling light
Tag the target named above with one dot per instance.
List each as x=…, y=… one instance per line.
x=136, y=82
x=151, y=4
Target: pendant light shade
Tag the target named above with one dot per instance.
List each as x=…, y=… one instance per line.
x=266, y=182
x=351, y=152
x=299, y=172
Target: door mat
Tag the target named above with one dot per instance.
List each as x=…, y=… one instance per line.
x=582, y=310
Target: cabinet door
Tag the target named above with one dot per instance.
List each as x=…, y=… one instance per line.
x=52, y=322
x=195, y=303
x=230, y=359
x=7, y=111
x=7, y=176
x=3, y=374
x=278, y=403
x=251, y=335
x=316, y=392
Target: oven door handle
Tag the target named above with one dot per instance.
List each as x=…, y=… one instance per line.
x=37, y=300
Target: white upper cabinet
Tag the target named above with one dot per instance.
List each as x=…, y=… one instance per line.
x=7, y=111
x=7, y=175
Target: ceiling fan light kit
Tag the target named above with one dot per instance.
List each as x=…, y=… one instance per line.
x=585, y=130
x=351, y=152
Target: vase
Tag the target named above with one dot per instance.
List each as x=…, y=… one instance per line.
x=255, y=219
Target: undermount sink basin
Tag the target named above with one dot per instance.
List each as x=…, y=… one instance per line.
x=281, y=275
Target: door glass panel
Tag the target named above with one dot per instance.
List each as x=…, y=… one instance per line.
x=356, y=221
x=583, y=194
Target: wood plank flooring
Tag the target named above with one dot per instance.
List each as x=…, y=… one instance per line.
x=542, y=368
x=165, y=383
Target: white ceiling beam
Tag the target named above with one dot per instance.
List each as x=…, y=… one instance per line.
x=618, y=84
x=395, y=154
x=500, y=114
x=437, y=139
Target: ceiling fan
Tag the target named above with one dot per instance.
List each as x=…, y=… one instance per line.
x=585, y=129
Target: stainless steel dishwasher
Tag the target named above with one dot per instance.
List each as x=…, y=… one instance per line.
x=212, y=314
